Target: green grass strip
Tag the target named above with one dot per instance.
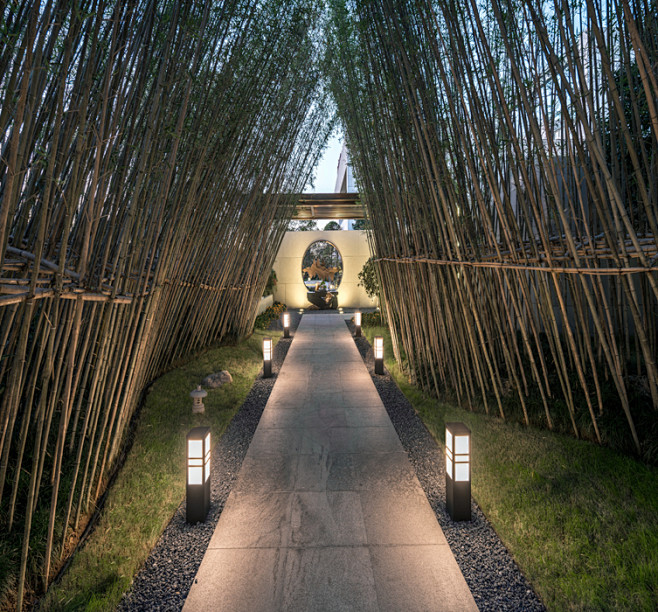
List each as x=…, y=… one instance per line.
x=579, y=519
x=151, y=484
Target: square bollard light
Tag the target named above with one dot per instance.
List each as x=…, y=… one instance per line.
x=286, y=324
x=379, y=355
x=267, y=357
x=198, y=475
x=357, y=324
x=458, y=471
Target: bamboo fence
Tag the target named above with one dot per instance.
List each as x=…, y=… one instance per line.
x=507, y=155
x=506, y=151
x=143, y=146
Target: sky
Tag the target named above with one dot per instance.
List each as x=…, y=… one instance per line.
x=326, y=170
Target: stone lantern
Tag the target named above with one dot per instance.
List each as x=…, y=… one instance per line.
x=197, y=400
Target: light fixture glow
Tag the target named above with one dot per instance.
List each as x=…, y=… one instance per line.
x=458, y=471
x=267, y=357
x=195, y=449
x=195, y=476
x=461, y=445
x=206, y=463
x=379, y=347
x=357, y=324
x=379, y=355
x=286, y=324
x=198, y=475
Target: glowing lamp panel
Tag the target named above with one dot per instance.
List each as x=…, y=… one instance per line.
x=379, y=348
x=457, y=457
x=461, y=472
x=195, y=475
x=461, y=445
x=198, y=460
x=357, y=319
x=206, y=463
x=267, y=349
x=286, y=320
x=195, y=449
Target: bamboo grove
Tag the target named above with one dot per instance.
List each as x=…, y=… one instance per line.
x=143, y=148
x=507, y=154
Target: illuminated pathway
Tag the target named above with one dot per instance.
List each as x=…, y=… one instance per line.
x=327, y=513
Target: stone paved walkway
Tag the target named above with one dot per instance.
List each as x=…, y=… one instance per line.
x=327, y=513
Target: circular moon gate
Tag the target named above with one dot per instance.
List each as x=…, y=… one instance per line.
x=322, y=271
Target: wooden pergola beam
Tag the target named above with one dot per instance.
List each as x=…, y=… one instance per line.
x=328, y=206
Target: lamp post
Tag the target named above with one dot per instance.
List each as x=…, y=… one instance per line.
x=197, y=400
x=267, y=357
x=286, y=324
x=458, y=471
x=379, y=355
x=357, y=324
x=198, y=475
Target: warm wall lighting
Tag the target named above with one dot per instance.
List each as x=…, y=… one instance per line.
x=198, y=474
x=458, y=471
x=357, y=324
x=267, y=357
x=286, y=324
x=197, y=400
x=379, y=355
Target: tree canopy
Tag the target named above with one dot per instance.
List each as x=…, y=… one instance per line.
x=302, y=225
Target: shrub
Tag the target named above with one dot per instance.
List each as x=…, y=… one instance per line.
x=271, y=313
x=372, y=319
x=369, y=278
x=271, y=282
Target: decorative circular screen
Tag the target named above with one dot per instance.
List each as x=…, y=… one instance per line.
x=322, y=263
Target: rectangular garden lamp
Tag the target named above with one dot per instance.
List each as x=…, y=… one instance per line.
x=357, y=324
x=198, y=474
x=267, y=357
x=286, y=325
x=458, y=471
x=379, y=355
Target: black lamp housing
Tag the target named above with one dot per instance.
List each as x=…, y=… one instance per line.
x=285, y=317
x=458, y=471
x=267, y=357
x=198, y=475
x=357, y=324
x=379, y=355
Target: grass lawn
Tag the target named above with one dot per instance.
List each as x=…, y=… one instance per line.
x=580, y=520
x=151, y=484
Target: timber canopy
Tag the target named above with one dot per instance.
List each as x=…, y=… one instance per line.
x=506, y=154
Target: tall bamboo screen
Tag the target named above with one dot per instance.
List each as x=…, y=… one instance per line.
x=507, y=153
x=142, y=147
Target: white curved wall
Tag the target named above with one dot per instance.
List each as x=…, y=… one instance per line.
x=354, y=249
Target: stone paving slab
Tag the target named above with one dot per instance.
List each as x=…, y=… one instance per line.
x=327, y=513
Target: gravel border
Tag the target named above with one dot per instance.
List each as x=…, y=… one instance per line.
x=495, y=580
x=490, y=572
